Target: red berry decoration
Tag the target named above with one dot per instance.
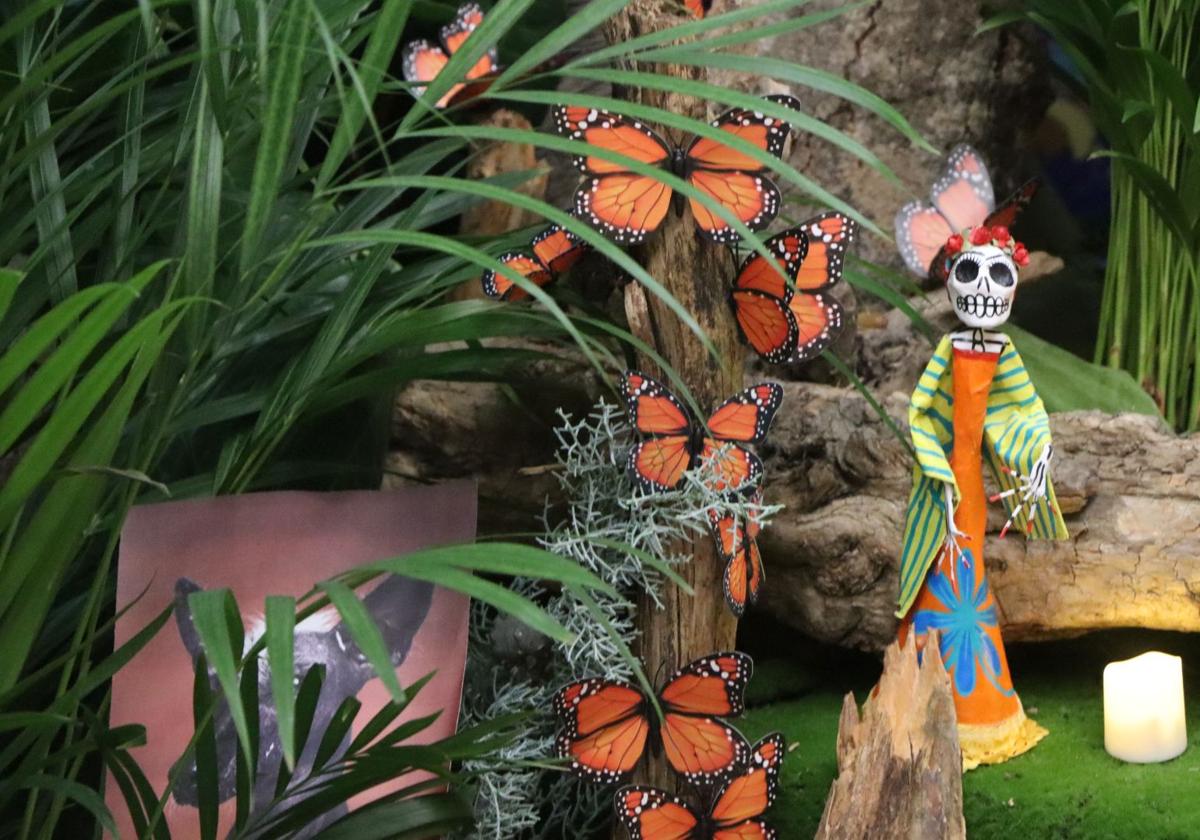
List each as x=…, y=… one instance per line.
x=954, y=244
x=1000, y=234
x=981, y=236
x=1021, y=255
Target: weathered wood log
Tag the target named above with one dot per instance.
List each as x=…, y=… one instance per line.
x=684, y=626
x=899, y=765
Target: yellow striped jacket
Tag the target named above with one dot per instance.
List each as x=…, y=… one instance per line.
x=1014, y=434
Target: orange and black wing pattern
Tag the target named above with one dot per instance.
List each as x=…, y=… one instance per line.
x=625, y=206
x=737, y=544
x=697, y=744
x=760, y=294
x=829, y=235
x=558, y=249
x=698, y=8
x=499, y=287
x=743, y=418
x=603, y=726
x=423, y=61
x=746, y=417
x=741, y=802
x=732, y=177
x=555, y=250
x=652, y=814
x=658, y=461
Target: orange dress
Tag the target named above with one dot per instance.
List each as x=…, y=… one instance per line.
x=956, y=601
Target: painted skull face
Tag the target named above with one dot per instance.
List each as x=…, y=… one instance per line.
x=981, y=286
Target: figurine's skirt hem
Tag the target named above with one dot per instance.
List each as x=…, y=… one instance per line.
x=995, y=743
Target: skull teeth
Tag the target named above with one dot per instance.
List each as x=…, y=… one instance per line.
x=984, y=306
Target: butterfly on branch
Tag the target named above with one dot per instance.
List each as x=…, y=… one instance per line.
x=794, y=321
x=552, y=252
x=736, y=812
x=423, y=60
x=673, y=441
x=605, y=725
x=626, y=206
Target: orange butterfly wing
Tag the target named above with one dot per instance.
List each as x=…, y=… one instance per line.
x=756, y=128
x=659, y=463
x=828, y=235
x=711, y=685
x=604, y=728
x=766, y=324
x=963, y=194
x=652, y=814
x=747, y=416
x=819, y=321
x=750, y=793
x=921, y=231
x=653, y=409
x=758, y=274
x=611, y=132
x=752, y=198
x=499, y=287
x=743, y=564
x=558, y=248
x=698, y=8
x=732, y=177
x=701, y=749
x=735, y=469
x=422, y=61
x=623, y=206
x=455, y=34
x=749, y=830
x=1006, y=214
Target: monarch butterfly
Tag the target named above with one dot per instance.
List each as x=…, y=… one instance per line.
x=675, y=441
x=962, y=197
x=423, y=61
x=698, y=8
x=782, y=324
x=736, y=813
x=555, y=250
x=626, y=206
x=605, y=724
x=737, y=542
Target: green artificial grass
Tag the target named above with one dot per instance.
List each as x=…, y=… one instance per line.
x=1066, y=787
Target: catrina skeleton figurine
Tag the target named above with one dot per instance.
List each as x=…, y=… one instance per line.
x=974, y=403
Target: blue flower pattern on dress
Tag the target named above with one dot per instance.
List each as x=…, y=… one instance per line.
x=962, y=626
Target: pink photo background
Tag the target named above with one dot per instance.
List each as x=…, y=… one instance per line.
x=276, y=544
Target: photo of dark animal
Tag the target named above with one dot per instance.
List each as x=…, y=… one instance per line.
x=398, y=605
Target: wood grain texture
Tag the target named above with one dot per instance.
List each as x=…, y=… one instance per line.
x=695, y=272
x=899, y=765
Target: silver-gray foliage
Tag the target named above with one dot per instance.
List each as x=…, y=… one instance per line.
x=605, y=526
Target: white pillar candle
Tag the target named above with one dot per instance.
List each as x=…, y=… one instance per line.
x=1143, y=708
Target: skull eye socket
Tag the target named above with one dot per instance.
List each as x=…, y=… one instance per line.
x=966, y=271
x=1001, y=274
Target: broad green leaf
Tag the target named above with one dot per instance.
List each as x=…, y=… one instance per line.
x=218, y=624
x=281, y=625
x=1066, y=382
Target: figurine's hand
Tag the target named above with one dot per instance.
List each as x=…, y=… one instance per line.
x=953, y=535
x=1031, y=490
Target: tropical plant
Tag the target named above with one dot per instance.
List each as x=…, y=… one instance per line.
x=224, y=243
x=1137, y=65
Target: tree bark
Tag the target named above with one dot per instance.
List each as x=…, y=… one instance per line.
x=693, y=270
x=899, y=765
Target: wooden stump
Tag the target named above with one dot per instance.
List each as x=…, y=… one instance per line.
x=695, y=272
x=899, y=764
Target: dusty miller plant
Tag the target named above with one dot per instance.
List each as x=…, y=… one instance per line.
x=625, y=537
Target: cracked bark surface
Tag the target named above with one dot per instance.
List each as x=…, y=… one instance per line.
x=899, y=767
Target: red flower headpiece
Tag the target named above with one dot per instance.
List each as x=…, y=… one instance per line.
x=982, y=235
